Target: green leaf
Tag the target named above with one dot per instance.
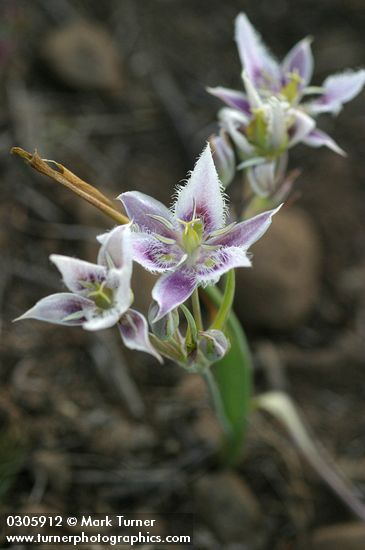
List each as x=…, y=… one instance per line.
x=233, y=375
x=225, y=306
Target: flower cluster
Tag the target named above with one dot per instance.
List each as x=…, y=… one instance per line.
x=195, y=242
x=274, y=113
x=190, y=245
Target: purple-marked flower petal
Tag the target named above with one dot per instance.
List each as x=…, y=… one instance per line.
x=102, y=319
x=338, y=89
x=202, y=195
x=119, y=280
x=154, y=255
x=172, y=289
x=134, y=332
x=233, y=98
x=255, y=58
x=240, y=119
x=252, y=92
x=61, y=309
x=246, y=233
x=212, y=264
x=116, y=248
x=116, y=254
x=299, y=60
x=235, y=124
x=75, y=272
x=302, y=126
x=141, y=208
x=318, y=138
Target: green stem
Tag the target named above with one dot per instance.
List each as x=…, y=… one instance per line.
x=226, y=303
x=196, y=309
x=217, y=401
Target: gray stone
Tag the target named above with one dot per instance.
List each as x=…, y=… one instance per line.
x=281, y=288
x=84, y=56
x=229, y=508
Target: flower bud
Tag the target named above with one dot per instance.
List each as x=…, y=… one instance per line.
x=165, y=328
x=223, y=156
x=266, y=178
x=212, y=345
x=262, y=178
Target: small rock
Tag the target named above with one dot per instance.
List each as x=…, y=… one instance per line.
x=84, y=56
x=346, y=536
x=229, y=508
x=281, y=288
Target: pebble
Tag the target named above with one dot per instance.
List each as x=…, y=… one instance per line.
x=282, y=287
x=229, y=508
x=84, y=56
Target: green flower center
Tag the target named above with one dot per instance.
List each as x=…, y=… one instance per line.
x=192, y=235
x=290, y=90
x=257, y=132
x=257, y=129
x=99, y=294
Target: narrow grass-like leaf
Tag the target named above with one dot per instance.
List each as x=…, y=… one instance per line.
x=282, y=407
x=233, y=375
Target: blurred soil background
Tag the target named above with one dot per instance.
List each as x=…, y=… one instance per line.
x=116, y=92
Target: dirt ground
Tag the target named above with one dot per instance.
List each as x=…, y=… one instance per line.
x=116, y=92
